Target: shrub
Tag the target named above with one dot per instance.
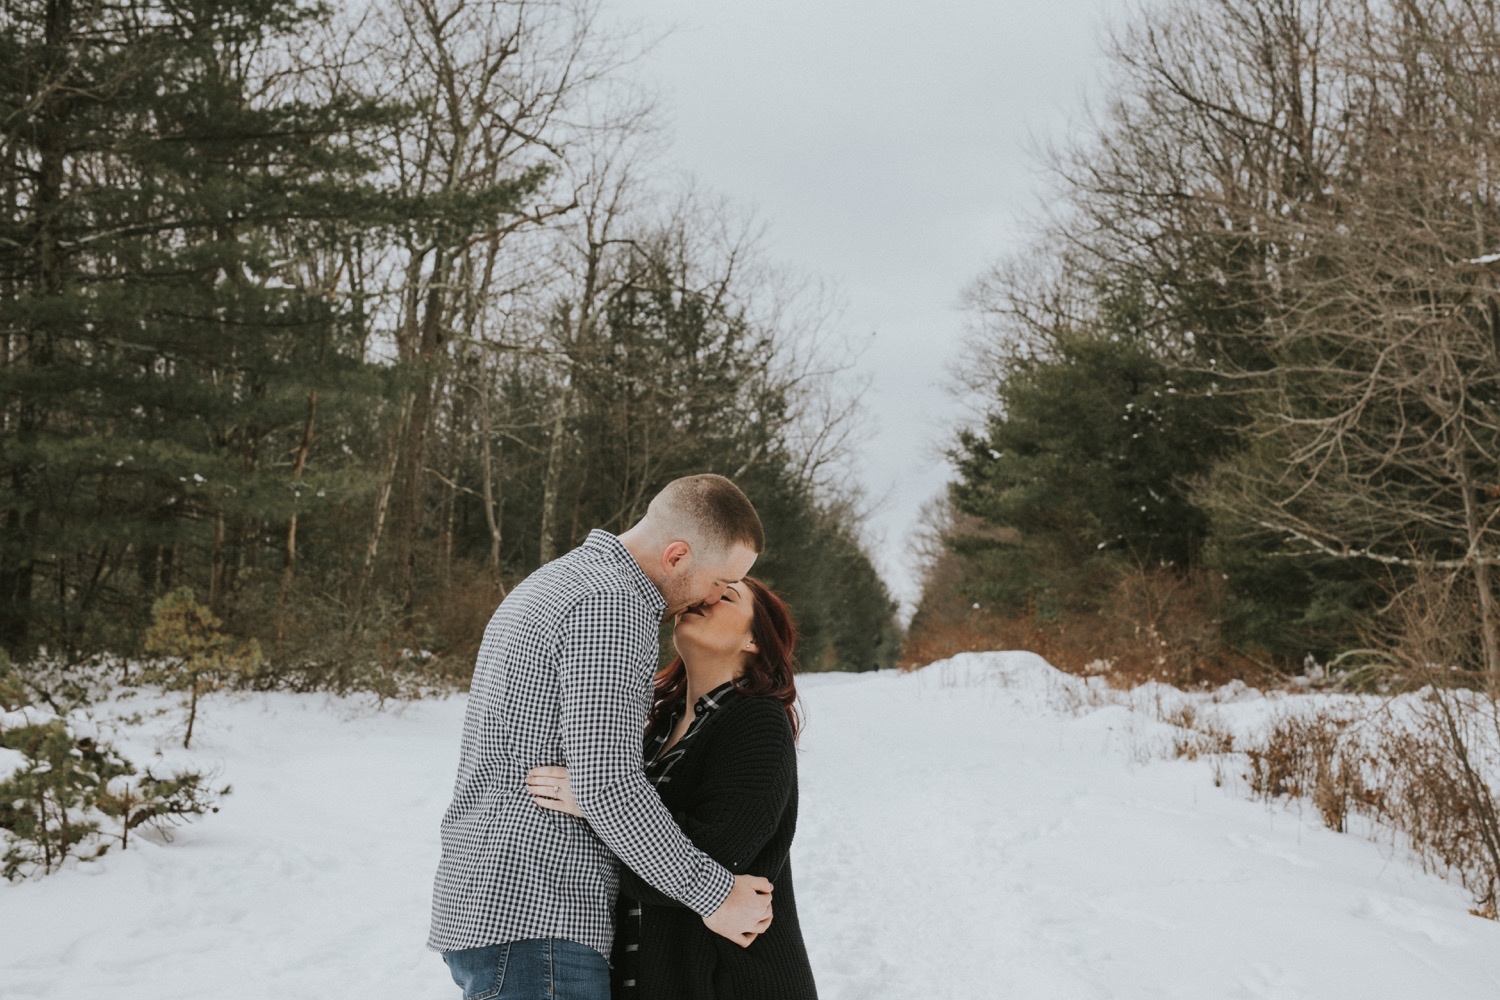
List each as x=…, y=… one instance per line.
x=1439, y=792
x=46, y=804
x=134, y=800
x=315, y=640
x=1315, y=757
x=1426, y=775
x=1151, y=623
x=12, y=687
x=197, y=657
x=1446, y=765
x=1198, y=735
x=72, y=795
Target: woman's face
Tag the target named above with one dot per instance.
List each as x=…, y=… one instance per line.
x=718, y=629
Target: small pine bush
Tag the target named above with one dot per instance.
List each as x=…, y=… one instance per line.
x=67, y=793
x=72, y=795
x=12, y=688
x=134, y=800
x=196, y=657
x=46, y=805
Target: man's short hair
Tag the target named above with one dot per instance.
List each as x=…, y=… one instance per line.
x=711, y=507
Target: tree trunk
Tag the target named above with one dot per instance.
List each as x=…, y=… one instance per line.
x=17, y=570
x=552, y=483
x=383, y=497
x=192, y=713
x=492, y=518
x=1489, y=612
x=218, y=569
x=289, y=563
x=18, y=556
x=411, y=475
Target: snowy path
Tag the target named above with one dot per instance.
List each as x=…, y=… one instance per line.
x=1030, y=855
x=960, y=838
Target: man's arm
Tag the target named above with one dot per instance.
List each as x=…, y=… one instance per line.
x=741, y=918
x=746, y=787
x=600, y=675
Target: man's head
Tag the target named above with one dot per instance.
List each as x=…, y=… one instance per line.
x=699, y=535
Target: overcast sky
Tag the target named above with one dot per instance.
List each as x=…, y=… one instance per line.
x=889, y=149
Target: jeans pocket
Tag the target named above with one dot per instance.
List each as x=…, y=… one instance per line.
x=578, y=972
x=479, y=972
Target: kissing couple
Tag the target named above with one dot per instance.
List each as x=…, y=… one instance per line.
x=621, y=832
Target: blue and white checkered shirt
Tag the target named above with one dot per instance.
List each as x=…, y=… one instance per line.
x=563, y=677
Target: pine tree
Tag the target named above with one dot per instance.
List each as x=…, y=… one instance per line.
x=196, y=656
x=1088, y=453
x=165, y=343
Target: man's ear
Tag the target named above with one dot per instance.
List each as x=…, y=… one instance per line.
x=674, y=555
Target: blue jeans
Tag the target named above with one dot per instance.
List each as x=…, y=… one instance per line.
x=539, y=969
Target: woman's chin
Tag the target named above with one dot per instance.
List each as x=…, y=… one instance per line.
x=682, y=638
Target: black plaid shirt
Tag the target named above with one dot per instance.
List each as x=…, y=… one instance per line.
x=563, y=677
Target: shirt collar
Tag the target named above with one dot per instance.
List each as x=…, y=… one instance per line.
x=607, y=544
x=715, y=698
x=705, y=706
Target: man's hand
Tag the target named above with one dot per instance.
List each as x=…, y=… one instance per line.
x=745, y=914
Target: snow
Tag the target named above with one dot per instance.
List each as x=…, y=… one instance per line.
x=10, y=762
x=985, y=827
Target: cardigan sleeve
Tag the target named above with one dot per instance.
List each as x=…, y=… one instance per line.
x=748, y=779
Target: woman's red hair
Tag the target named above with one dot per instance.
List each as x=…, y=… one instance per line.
x=769, y=672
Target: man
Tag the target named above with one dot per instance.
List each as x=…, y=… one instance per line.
x=523, y=897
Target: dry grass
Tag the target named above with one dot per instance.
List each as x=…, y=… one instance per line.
x=1154, y=625
x=934, y=638
x=1197, y=735
x=1314, y=757
x=452, y=623
x=1420, y=774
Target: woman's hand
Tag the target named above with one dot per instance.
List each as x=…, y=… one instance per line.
x=550, y=789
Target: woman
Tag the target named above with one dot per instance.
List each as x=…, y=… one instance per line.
x=721, y=750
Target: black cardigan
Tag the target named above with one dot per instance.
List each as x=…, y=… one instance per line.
x=734, y=792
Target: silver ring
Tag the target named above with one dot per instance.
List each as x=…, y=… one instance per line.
x=556, y=791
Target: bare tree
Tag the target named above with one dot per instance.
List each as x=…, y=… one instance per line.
x=1297, y=200
x=1382, y=404
x=502, y=89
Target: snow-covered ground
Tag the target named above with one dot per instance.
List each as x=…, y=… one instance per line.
x=976, y=829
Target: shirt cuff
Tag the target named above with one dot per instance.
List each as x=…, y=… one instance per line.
x=713, y=890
